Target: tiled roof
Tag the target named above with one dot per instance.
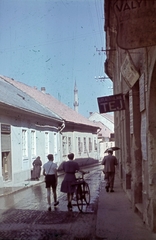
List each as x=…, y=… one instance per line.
x=62, y=110
x=14, y=97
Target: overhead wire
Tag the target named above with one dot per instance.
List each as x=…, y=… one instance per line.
x=99, y=13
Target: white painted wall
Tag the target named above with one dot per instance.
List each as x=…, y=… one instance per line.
x=98, y=118
x=103, y=147
x=21, y=166
x=83, y=154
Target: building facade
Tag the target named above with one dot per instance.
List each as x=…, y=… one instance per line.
x=32, y=124
x=131, y=65
x=106, y=134
x=22, y=138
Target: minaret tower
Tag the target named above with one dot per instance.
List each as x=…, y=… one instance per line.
x=76, y=103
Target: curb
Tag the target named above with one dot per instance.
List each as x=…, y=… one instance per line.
x=21, y=188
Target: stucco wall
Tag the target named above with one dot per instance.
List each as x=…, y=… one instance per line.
x=135, y=127
x=21, y=165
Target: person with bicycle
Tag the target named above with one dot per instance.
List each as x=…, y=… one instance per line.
x=70, y=168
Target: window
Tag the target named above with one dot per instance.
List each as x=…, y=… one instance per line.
x=90, y=145
x=46, y=143
x=112, y=135
x=24, y=143
x=55, y=143
x=79, y=145
x=85, y=145
x=64, y=144
x=95, y=144
x=69, y=145
x=33, y=143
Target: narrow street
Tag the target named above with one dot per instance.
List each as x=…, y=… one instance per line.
x=24, y=214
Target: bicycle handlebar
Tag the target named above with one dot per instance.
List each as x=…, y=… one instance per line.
x=82, y=174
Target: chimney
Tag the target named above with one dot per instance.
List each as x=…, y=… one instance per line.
x=43, y=90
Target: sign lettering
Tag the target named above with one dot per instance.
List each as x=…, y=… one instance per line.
x=136, y=23
x=111, y=103
x=129, y=72
x=122, y=6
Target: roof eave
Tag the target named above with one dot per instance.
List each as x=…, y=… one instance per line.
x=26, y=111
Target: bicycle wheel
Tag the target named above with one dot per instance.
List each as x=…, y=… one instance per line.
x=86, y=193
x=79, y=198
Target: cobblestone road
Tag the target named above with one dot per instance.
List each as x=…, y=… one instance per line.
x=24, y=215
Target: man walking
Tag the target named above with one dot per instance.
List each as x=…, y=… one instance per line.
x=50, y=173
x=109, y=163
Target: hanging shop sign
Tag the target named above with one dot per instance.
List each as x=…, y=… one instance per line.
x=142, y=92
x=5, y=128
x=131, y=112
x=136, y=23
x=129, y=71
x=111, y=103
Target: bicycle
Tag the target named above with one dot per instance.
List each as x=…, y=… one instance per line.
x=82, y=193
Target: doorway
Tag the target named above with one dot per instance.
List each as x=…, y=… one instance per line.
x=6, y=166
x=6, y=152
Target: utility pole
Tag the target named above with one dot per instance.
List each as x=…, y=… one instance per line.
x=105, y=50
x=101, y=78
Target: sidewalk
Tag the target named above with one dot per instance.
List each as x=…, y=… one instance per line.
x=8, y=189
x=19, y=187
x=116, y=219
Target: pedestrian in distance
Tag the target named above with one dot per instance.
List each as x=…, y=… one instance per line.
x=50, y=173
x=109, y=162
x=70, y=167
x=36, y=172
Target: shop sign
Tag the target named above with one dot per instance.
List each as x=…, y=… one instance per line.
x=131, y=111
x=111, y=103
x=129, y=72
x=5, y=128
x=144, y=135
x=136, y=23
x=142, y=92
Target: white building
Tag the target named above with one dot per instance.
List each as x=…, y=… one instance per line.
x=22, y=138
x=34, y=123
x=106, y=135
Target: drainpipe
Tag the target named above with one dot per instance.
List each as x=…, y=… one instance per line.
x=98, y=144
x=99, y=129
x=62, y=127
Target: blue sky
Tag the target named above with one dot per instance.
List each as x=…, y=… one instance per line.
x=52, y=44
